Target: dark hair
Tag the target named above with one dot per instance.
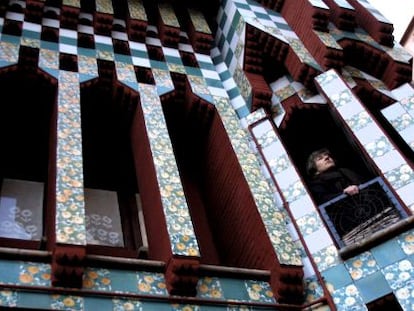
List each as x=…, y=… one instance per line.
x=310, y=163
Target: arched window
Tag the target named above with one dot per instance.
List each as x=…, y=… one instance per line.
x=26, y=125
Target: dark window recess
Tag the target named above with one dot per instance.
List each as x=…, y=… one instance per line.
x=352, y=219
x=114, y=219
x=386, y=303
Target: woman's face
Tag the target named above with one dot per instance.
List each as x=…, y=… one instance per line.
x=324, y=162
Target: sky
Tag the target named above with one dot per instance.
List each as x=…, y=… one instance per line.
x=398, y=12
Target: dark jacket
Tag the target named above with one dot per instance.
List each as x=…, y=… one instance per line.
x=327, y=185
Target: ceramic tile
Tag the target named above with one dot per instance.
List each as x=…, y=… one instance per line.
x=337, y=276
x=348, y=299
x=388, y=253
x=406, y=241
x=326, y=258
x=370, y=293
x=301, y=206
x=318, y=240
x=92, y=303
x=9, y=271
x=399, y=273
x=405, y=296
x=361, y=266
x=43, y=301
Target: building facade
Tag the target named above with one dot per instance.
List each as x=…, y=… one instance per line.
x=154, y=156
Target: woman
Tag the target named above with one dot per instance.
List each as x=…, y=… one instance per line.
x=327, y=180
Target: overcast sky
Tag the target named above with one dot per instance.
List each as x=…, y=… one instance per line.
x=398, y=12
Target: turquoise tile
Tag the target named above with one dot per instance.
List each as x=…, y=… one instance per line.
x=124, y=281
x=101, y=304
x=234, y=289
x=229, y=57
x=9, y=272
x=30, y=34
x=173, y=60
x=68, y=41
x=225, y=75
x=156, y=306
x=338, y=276
x=214, y=83
x=123, y=58
x=10, y=38
x=49, y=45
x=234, y=92
x=388, y=253
x=34, y=300
x=242, y=112
x=368, y=291
x=86, y=52
x=193, y=71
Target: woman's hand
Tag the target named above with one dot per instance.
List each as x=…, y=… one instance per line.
x=351, y=190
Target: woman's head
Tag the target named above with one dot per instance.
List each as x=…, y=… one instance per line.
x=319, y=161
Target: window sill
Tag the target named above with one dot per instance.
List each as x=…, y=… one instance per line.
x=377, y=238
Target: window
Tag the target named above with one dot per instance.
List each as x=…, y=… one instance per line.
x=103, y=220
x=113, y=219
x=21, y=209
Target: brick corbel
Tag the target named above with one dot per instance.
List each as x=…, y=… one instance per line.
x=68, y=265
x=181, y=276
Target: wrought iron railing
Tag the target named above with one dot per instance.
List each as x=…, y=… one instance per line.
x=351, y=219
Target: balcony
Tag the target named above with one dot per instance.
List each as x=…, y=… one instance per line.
x=360, y=221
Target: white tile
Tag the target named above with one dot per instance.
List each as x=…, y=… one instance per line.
x=143, y=62
x=394, y=111
x=406, y=194
x=217, y=91
x=171, y=52
x=389, y=161
x=403, y=91
x=210, y=74
x=292, y=230
x=262, y=128
x=119, y=35
x=349, y=111
x=103, y=39
x=68, y=33
x=69, y=49
x=229, y=84
x=238, y=102
x=307, y=268
x=15, y=16
x=301, y=206
x=318, y=240
x=273, y=150
x=369, y=133
x=85, y=29
x=50, y=22
x=29, y=26
x=137, y=46
x=287, y=177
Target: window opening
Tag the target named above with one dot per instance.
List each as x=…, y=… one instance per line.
x=225, y=218
x=385, y=303
x=25, y=127
x=20, y=203
x=111, y=191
